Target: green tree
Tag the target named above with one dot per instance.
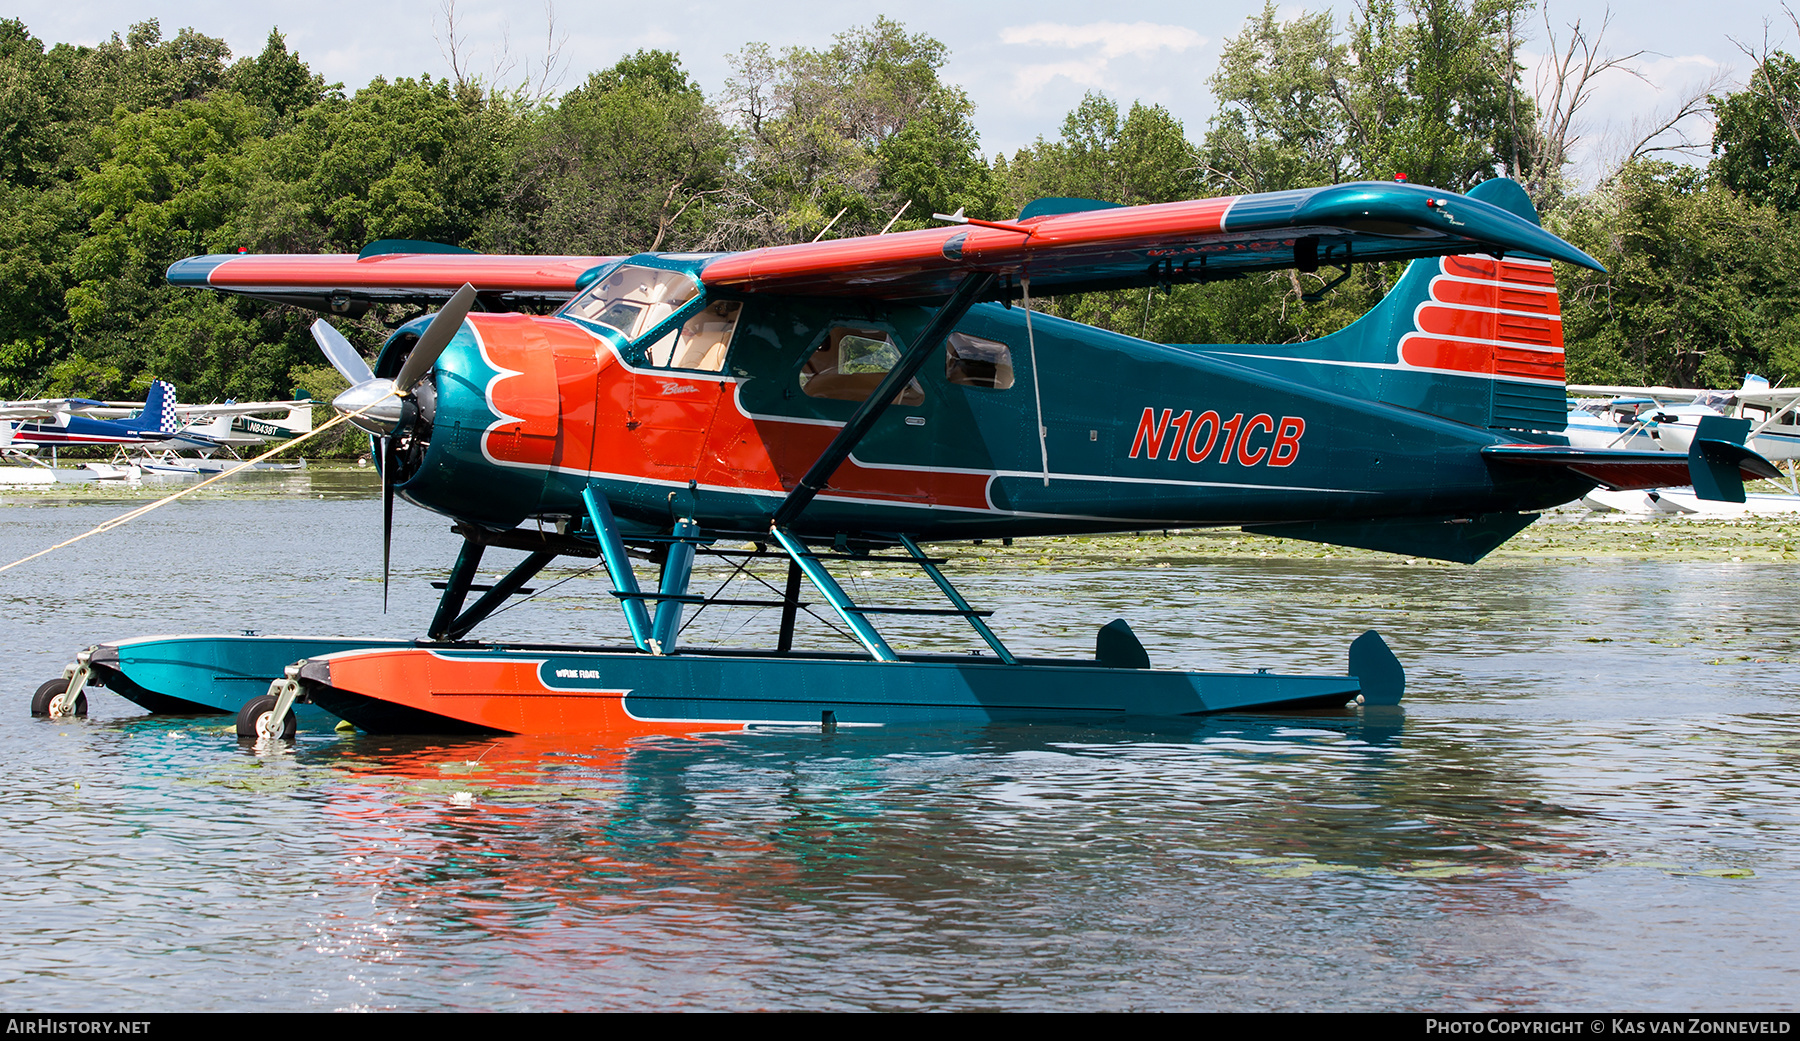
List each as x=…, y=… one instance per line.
x=1280, y=124
x=1756, y=137
x=1696, y=291
x=1430, y=92
x=633, y=160
x=840, y=138
x=277, y=81
x=167, y=182
x=1143, y=157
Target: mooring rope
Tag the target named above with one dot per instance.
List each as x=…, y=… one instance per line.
x=126, y=518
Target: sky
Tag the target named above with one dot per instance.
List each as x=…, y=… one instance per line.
x=1025, y=66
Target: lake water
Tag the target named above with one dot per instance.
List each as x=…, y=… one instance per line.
x=1590, y=802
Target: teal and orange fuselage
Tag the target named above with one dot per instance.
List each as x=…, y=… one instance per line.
x=1372, y=436
x=1377, y=421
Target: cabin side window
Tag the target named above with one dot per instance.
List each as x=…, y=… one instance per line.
x=851, y=363
x=701, y=342
x=971, y=361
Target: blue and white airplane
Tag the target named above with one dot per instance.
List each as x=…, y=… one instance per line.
x=65, y=422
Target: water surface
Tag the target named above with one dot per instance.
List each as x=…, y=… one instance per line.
x=1589, y=802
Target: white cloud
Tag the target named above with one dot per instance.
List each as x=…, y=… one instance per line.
x=1109, y=41
x=1030, y=79
x=1115, y=39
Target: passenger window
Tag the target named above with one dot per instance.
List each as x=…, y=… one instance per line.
x=974, y=362
x=701, y=343
x=851, y=363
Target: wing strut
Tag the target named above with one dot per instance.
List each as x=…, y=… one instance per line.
x=967, y=292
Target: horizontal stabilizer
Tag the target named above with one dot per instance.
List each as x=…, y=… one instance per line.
x=1460, y=539
x=1713, y=468
x=1718, y=460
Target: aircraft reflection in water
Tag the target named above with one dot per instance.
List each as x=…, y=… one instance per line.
x=600, y=843
x=849, y=402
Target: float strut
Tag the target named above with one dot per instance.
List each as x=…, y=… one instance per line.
x=790, y=606
x=515, y=579
x=618, y=566
x=456, y=588
x=835, y=596
x=956, y=598
x=678, y=566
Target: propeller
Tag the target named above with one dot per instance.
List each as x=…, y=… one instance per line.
x=342, y=356
x=437, y=336
x=383, y=403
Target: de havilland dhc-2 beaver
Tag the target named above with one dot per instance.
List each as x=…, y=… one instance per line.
x=854, y=401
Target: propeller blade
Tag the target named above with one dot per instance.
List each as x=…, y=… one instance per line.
x=340, y=354
x=388, y=464
x=437, y=336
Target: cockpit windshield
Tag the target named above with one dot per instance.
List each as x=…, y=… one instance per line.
x=633, y=300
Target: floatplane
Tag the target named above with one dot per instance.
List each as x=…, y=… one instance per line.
x=849, y=403
x=147, y=436
x=1674, y=412
x=1668, y=418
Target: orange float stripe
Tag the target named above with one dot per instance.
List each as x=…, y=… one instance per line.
x=496, y=695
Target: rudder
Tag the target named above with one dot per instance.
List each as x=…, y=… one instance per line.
x=159, y=409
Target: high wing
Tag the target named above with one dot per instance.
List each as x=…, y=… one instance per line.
x=1664, y=395
x=30, y=410
x=1094, y=248
x=1768, y=397
x=50, y=408
x=1168, y=243
x=347, y=284
x=1759, y=394
x=238, y=408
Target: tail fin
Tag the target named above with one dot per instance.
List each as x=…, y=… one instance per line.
x=1473, y=338
x=159, y=409
x=299, y=420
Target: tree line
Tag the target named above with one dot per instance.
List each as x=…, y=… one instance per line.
x=123, y=157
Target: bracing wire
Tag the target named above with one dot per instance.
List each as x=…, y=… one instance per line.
x=1037, y=395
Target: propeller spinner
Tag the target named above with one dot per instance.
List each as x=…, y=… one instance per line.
x=386, y=405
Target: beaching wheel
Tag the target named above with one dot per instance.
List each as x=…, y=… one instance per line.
x=40, y=702
x=250, y=719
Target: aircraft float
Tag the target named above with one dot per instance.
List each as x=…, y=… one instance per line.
x=851, y=402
